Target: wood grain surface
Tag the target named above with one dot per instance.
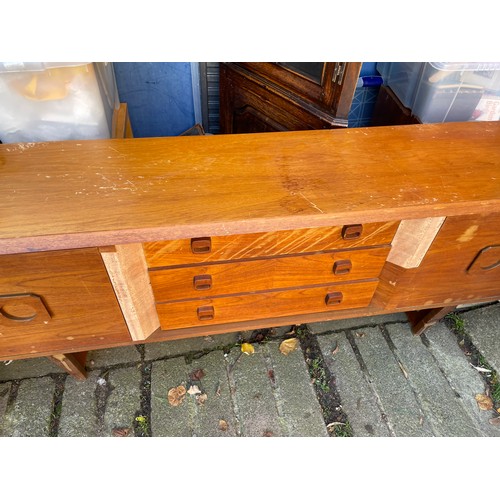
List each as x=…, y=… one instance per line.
x=447, y=274
x=266, y=274
x=82, y=309
x=105, y=192
x=245, y=246
x=244, y=307
x=127, y=271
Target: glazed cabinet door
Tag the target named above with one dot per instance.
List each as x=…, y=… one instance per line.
x=269, y=97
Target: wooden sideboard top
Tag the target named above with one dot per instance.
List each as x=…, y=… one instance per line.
x=72, y=194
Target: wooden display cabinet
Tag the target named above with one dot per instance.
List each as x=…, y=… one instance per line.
x=389, y=110
x=270, y=97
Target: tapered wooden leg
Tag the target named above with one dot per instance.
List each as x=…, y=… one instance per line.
x=421, y=320
x=73, y=363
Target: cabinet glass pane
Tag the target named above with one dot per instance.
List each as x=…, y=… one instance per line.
x=311, y=70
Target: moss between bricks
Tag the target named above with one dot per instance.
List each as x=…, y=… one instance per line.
x=324, y=385
x=459, y=327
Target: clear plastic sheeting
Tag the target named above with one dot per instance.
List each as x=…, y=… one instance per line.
x=56, y=101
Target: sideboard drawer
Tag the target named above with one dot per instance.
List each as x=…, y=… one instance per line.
x=57, y=301
x=244, y=246
x=278, y=303
x=266, y=274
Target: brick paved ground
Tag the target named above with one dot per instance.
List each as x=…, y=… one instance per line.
x=360, y=377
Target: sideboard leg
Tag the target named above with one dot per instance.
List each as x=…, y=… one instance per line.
x=73, y=363
x=421, y=320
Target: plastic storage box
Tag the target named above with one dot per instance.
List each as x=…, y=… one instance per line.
x=452, y=92
x=56, y=101
x=402, y=78
x=446, y=92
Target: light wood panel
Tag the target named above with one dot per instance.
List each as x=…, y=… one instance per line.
x=412, y=240
x=128, y=273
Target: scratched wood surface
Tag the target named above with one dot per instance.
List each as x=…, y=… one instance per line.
x=85, y=193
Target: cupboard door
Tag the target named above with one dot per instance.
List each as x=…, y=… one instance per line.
x=57, y=302
x=461, y=266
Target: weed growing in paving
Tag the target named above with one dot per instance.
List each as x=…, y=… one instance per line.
x=341, y=430
x=142, y=423
x=319, y=375
x=456, y=322
x=323, y=382
x=491, y=377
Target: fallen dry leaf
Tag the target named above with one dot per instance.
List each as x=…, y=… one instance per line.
x=267, y=434
x=121, y=431
x=480, y=368
x=247, y=348
x=288, y=346
x=402, y=368
x=331, y=425
x=336, y=350
x=495, y=421
x=194, y=389
x=360, y=334
x=270, y=374
x=176, y=395
x=484, y=402
x=197, y=374
x=201, y=398
x=223, y=425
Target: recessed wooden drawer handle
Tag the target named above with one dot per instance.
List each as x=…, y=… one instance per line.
x=205, y=313
x=486, y=260
x=201, y=245
x=333, y=298
x=22, y=308
x=19, y=313
x=352, y=232
x=202, y=282
x=342, y=267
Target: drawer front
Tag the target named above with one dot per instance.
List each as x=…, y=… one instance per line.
x=190, y=313
x=266, y=274
x=244, y=246
x=56, y=302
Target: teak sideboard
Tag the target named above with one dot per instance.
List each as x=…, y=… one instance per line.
x=113, y=242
